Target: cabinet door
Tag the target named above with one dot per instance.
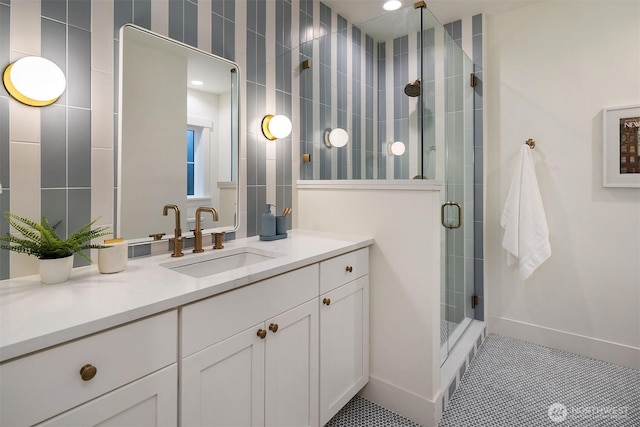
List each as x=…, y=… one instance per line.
x=344, y=345
x=149, y=401
x=291, y=368
x=223, y=385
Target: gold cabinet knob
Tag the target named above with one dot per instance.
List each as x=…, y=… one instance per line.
x=273, y=327
x=326, y=301
x=349, y=269
x=262, y=333
x=88, y=371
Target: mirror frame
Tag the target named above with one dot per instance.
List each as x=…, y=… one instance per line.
x=236, y=110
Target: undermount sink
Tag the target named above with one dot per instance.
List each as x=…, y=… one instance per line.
x=215, y=263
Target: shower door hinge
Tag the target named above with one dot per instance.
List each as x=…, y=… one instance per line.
x=420, y=5
x=473, y=81
x=474, y=301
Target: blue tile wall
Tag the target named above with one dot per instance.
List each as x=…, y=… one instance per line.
x=79, y=214
x=54, y=208
x=79, y=68
x=79, y=147
x=401, y=104
x=191, y=23
x=142, y=13
x=54, y=9
x=176, y=19
x=382, y=111
x=342, y=96
x=369, y=92
x=53, y=147
x=325, y=105
x=4, y=164
x=305, y=17
x=284, y=78
x=122, y=14
x=79, y=13
x=256, y=109
x=356, y=103
x=4, y=230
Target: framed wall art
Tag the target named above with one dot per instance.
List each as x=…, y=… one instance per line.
x=621, y=146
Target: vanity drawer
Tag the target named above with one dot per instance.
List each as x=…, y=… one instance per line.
x=342, y=269
x=41, y=385
x=209, y=321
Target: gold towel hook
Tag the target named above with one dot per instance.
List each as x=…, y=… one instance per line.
x=531, y=143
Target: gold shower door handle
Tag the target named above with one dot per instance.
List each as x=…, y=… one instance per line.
x=443, y=208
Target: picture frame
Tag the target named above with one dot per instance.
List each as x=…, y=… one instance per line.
x=621, y=146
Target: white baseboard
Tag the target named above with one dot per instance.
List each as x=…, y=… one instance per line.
x=396, y=399
x=618, y=354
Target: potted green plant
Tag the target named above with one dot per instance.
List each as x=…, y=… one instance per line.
x=55, y=253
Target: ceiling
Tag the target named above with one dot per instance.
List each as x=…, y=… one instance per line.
x=359, y=11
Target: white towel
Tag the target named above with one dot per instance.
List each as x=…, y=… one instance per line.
x=526, y=234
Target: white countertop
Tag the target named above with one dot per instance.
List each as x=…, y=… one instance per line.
x=35, y=316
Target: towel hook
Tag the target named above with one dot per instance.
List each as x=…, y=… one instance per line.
x=531, y=143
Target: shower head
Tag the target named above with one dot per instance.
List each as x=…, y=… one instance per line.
x=413, y=89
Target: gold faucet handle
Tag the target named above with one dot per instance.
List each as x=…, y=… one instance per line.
x=157, y=236
x=218, y=238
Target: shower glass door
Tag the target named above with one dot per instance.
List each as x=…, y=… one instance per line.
x=457, y=204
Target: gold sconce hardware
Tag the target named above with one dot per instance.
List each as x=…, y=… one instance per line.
x=262, y=334
x=217, y=240
x=88, y=371
x=306, y=64
x=531, y=143
x=349, y=269
x=306, y=158
x=273, y=327
x=157, y=236
x=326, y=301
x=276, y=126
x=419, y=5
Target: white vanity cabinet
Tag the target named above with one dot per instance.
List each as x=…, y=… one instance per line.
x=125, y=375
x=250, y=356
x=344, y=330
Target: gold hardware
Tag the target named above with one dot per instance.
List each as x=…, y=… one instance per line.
x=306, y=158
x=419, y=5
x=88, y=371
x=473, y=80
x=156, y=237
x=306, y=64
x=326, y=301
x=531, y=143
x=451, y=226
x=197, y=233
x=177, y=240
x=273, y=327
x=349, y=269
x=217, y=240
x=262, y=334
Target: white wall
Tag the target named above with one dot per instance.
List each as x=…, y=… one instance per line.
x=404, y=265
x=550, y=68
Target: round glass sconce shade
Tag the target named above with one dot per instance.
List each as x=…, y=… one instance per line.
x=34, y=81
x=275, y=127
x=338, y=137
x=397, y=148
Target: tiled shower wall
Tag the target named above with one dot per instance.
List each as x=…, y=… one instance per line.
x=58, y=161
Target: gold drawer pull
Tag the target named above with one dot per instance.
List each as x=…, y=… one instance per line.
x=88, y=371
x=349, y=269
x=273, y=327
x=326, y=301
x=262, y=333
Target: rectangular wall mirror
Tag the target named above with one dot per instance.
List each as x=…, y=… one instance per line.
x=177, y=136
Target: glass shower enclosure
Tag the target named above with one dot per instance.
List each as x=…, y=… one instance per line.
x=407, y=83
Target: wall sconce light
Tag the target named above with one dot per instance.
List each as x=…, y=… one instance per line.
x=275, y=127
x=396, y=148
x=336, y=138
x=34, y=81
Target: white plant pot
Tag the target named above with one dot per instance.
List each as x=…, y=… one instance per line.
x=53, y=271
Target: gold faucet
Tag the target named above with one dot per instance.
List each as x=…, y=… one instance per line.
x=177, y=233
x=197, y=233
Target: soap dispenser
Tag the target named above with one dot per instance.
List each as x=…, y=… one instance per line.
x=268, y=229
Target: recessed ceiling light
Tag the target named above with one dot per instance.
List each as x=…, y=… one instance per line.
x=392, y=5
x=197, y=82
